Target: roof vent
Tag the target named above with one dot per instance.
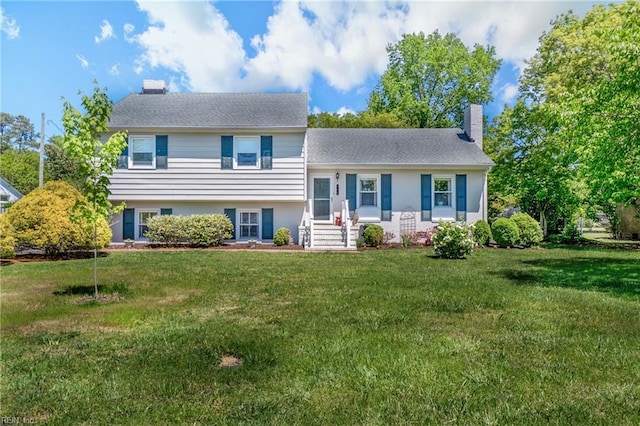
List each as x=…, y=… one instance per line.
x=154, y=87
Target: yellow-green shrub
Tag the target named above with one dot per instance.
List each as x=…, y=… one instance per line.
x=7, y=242
x=44, y=219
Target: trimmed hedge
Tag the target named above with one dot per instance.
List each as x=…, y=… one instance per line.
x=202, y=230
x=505, y=232
x=529, y=228
x=482, y=233
x=282, y=237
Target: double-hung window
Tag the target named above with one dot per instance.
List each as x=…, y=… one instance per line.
x=442, y=192
x=247, y=151
x=248, y=225
x=143, y=217
x=142, y=150
x=368, y=192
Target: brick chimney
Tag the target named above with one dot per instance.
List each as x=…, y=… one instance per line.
x=473, y=123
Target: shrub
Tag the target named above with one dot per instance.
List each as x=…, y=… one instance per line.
x=505, y=232
x=206, y=230
x=373, y=235
x=7, y=242
x=571, y=233
x=44, y=219
x=167, y=229
x=453, y=240
x=282, y=237
x=482, y=233
x=529, y=228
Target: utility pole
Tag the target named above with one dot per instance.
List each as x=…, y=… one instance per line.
x=41, y=170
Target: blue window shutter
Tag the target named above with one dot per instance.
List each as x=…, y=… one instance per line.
x=425, y=190
x=461, y=198
x=385, y=188
x=266, y=152
x=162, y=151
x=227, y=152
x=123, y=159
x=231, y=214
x=267, y=224
x=352, y=191
x=166, y=212
x=128, y=224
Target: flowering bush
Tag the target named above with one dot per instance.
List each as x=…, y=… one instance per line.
x=453, y=240
x=282, y=237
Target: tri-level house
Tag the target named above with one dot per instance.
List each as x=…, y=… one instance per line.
x=251, y=156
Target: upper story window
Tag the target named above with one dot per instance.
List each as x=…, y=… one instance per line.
x=142, y=151
x=442, y=192
x=247, y=151
x=368, y=192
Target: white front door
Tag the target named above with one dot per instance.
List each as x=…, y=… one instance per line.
x=322, y=198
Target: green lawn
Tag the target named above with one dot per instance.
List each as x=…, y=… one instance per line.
x=378, y=337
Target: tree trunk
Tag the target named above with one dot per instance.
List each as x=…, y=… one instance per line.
x=95, y=257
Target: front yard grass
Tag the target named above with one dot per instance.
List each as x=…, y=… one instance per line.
x=378, y=337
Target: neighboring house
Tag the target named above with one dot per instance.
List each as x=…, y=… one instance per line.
x=251, y=157
x=8, y=194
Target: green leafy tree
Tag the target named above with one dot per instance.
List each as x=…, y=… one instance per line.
x=17, y=132
x=586, y=75
x=431, y=79
x=96, y=157
x=363, y=119
x=59, y=165
x=535, y=168
x=20, y=169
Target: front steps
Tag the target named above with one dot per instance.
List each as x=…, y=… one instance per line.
x=327, y=236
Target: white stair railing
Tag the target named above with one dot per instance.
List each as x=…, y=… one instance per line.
x=346, y=223
x=311, y=220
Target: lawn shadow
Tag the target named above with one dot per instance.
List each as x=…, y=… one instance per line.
x=620, y=277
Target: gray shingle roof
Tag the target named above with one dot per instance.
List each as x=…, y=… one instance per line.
x=211, y=110
x=402, y=147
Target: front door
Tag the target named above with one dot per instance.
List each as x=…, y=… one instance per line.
x=322, y=198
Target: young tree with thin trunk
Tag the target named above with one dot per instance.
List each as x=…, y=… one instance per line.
x=96, y=154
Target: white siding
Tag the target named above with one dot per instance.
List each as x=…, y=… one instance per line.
x=406, y=194
x=285, y=214
x=194, y=173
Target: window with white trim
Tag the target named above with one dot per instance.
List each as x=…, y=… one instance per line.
x=368, y=191
x=442, y=192
x=248, y=227
x=143, y=217
x=247, y=151
x=142, y=152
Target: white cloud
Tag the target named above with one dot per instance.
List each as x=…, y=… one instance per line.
x=508, y=93
x=115, y=69
x=106, y=32
x=345, y=110
x=342, y=42
x=8, y=25
x=83, y=61
x=128, y=29
x=194, y=39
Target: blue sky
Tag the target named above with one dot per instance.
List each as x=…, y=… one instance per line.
x=333, y=50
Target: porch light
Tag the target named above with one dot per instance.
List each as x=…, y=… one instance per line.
x=337, y=176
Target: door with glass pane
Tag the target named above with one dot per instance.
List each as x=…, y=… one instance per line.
x=322, y=198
